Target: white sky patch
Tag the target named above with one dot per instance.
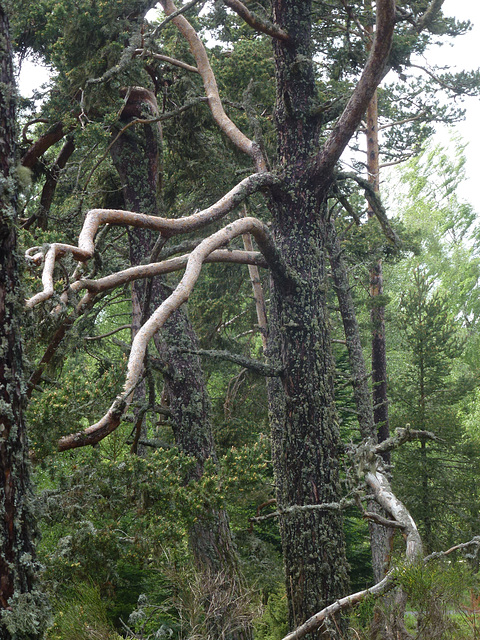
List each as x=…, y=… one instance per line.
x=464, y=54
x=32, y=77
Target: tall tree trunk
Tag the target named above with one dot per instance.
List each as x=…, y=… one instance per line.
x=22, y=611
x=305, y=433
x=377, y=314
x=135, y=155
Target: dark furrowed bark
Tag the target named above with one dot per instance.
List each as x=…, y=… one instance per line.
x=307, y=446
x=305, y=432
x=21, y=605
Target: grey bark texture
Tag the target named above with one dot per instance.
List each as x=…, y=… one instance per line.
x=22, y=606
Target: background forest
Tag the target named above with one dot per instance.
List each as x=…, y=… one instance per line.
x=168, y=527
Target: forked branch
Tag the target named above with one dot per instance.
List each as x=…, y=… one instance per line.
x=166, y=227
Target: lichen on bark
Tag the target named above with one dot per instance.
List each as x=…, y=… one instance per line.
x=23, y=609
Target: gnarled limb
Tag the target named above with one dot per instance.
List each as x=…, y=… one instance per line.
x=112, y=418
x=257, y=22
x=38, y=148
x=97, y=217
x=379, y=589
x=239, y=139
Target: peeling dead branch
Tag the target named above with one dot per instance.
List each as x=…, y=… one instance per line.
x=112, y=418
x=384, y=496
x=97, y=217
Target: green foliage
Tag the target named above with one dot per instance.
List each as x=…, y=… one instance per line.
x=73, y=405
x=116, y=525
x=82, y=615
x=424, y=395
x=273, y=623
x=435, y=591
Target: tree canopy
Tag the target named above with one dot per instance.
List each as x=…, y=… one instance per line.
x=166, y=158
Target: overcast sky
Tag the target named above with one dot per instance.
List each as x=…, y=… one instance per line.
x=464, y=54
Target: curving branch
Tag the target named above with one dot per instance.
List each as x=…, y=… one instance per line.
x=26, y=127
x=239, y=139
x=110, y=421
x=383, y=494
x=257, y=22
x=384, y=586
x=161, y=268
x=97, y=217
x=172, y=61
x=348, y=602
x=47, y=140
x=372, y=75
